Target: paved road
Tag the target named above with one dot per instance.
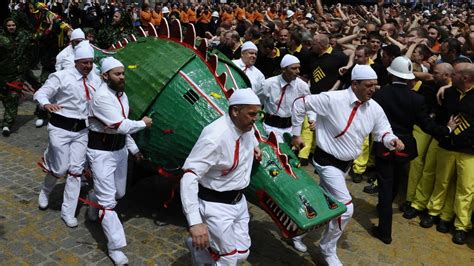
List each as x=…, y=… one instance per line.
x=156, y=235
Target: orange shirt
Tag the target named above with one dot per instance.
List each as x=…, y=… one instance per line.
x=271, y=14
x=183, y=17
x=192, y=16
x=145, y=17
x=226, y=17
x=156, y=18
x=205, y=17
x=250, y=16
x=239, y=13
x=258, y=16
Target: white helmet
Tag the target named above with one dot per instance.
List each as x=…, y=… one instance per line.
x=215, y=14
x=165, y=10
x=401, y=67
x=289, y=13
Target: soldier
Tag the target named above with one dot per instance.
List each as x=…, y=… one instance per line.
x=14, y=59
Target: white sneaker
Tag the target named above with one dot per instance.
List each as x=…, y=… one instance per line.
x=39, y=122
x=43, y=200
x=70, y=221
x=118, y=257
x=333, y=260
x=299, y=245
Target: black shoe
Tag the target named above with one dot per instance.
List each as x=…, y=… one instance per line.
x=371, y=189
x=443, y=226
x=303, y=161
x=404, y=206
x=410, y=213
x=6, y=132
x=428, y=221
x=356, y=178
x=376, y=233
x=459, y=237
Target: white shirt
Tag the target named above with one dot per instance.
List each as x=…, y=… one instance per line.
x=211, y=157
x=254, y=74
x=109, y=111
x=65, y=58
x=272, y=90
x=66, y=88
x=333, y=110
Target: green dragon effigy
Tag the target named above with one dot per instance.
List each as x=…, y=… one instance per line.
x=184, y=88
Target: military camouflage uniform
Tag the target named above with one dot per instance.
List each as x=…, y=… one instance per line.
x=15, y=56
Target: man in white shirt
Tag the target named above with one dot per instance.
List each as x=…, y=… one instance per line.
x=278, y=94
x=66, y=95
x=345, y=118
x=65, y=58
x=216, y=172
x=107, y=153
x=246, y=63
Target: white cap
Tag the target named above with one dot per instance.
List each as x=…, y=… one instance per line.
x=309, y=16
x=77, y=34
x=363, y=72
x=109, y=63
x=165, y=10
x=444, y=12
x=249, y=46
x=289, y=59
x=244, y=96
x=215, y=14
x=289, y=13
x=83, y=50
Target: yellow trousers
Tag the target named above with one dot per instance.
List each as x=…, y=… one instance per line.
x=308, y=137
x=454, y=164
x=423, y=141
x=365, y=159
x=424, y=188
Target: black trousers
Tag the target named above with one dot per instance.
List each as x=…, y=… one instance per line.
x=390, y=173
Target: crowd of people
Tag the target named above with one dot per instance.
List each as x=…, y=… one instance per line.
x=382, y=91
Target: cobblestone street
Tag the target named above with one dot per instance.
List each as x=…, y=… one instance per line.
x=156, y=234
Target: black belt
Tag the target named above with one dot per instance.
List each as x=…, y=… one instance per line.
x=277, y=121
x=226, y=197
x=106, y=142
x=323, y=158
x=69, y=124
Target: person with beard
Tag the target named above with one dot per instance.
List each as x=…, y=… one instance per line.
x=345, y=118
x=246, y=63
x=15, y=59
x=66, y=94
x=107, y=152
x=215, y=174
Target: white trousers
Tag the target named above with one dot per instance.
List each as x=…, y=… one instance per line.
x=332, y=179
x=65, y=155
x=109, y=171
x=228, y=232
x=278, y=131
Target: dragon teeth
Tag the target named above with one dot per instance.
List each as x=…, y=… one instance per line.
x=282, y=217
x=286, y=220
x=278, y=213
x=294, y=227
x=288, y=227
